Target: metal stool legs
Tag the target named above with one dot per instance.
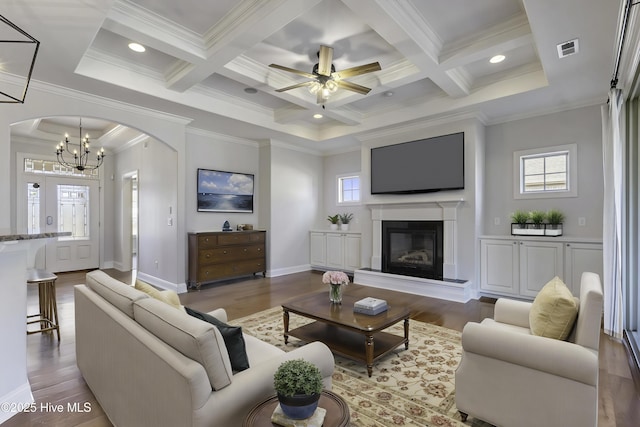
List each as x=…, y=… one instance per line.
x=47, y=318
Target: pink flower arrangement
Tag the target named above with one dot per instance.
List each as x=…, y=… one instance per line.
x=335, y=278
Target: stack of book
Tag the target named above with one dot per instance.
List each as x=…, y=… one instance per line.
x=316, y=420
x=370, y=306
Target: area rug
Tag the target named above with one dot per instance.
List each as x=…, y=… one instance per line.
x=413, y=387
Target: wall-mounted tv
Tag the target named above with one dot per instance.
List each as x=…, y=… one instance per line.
x=220, y=191
x=421, y=166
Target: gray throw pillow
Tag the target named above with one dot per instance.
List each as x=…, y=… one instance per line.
x=232, y=336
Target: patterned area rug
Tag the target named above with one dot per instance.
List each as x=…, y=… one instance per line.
x=413, y=387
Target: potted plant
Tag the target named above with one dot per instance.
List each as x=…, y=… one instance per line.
x=519, y=222
x=298, y=384
x=537, y=219
x=555, y=218
x=333, y=219
x=345, y=219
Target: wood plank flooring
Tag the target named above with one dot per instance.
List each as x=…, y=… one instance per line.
x=55, y=379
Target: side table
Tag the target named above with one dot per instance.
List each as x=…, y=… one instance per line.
x=337, y=411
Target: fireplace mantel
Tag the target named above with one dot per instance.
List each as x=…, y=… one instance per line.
x=443, y=209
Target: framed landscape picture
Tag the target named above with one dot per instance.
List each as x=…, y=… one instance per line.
x=221, y=191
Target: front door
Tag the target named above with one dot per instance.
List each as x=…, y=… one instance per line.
x=72, y=205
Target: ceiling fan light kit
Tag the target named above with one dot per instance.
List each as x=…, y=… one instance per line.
x=325, y=80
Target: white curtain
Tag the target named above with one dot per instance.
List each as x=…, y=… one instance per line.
x=613, y=168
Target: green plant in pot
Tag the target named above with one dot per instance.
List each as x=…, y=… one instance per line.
x=345, y=219
x=537, y=217
x=298, y=384
x=555, y=218
x=334, y=219
x=519, y=219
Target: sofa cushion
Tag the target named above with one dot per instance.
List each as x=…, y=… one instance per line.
x=118, y=294
x=232, y=336
x=166, y=296
x=195, y=339
x=554, y=311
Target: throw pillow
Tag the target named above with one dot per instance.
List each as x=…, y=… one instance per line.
x=553, y=311
x=232, y=336
x=168, y=296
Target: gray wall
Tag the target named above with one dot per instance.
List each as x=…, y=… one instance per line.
x=581, y=126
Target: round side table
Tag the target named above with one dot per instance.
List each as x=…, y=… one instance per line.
x=337, y=412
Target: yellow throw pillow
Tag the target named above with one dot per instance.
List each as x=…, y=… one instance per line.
x=553, y=311
x=167, y=296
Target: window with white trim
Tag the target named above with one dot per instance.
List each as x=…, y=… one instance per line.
x=348, y=189
x=546, y=172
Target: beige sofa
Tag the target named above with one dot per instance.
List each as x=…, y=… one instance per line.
x=509, y=377
x=150, y=364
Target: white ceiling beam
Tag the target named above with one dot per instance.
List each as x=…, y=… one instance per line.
x=249, y=23
x=402, y=26
x=500, y=38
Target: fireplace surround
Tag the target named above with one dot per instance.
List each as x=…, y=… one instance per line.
x=413, y=248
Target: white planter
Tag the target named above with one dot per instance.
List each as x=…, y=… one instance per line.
x=333, y=226
x=344, y=227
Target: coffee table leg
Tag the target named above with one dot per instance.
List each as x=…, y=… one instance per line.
x=285, y=318
x=369, y=353
x=406, y=333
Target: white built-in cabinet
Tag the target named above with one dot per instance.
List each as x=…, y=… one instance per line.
x=522, y=266
x=335, y=250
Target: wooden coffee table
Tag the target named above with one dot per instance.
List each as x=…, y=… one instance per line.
x=337, y=411
x=352, y=335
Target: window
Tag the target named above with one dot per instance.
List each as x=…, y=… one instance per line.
x=348, y=189
x=546, y=172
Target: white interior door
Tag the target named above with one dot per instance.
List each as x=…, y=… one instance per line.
x=72, y=205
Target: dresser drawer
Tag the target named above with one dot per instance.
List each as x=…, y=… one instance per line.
x=213, y=272
x=230, y=253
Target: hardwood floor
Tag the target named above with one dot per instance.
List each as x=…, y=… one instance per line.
x=55, y=379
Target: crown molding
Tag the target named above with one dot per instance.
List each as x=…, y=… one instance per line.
x=221, y=137
x=77, y=95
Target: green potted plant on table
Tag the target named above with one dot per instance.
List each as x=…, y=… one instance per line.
x=345, y=219
x=298, y=384
x=555, y=219
x=333, y=219
x=519, y=222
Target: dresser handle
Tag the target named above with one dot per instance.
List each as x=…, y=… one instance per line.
x=224, y=252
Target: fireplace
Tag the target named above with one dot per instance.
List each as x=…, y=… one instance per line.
x=413, y=248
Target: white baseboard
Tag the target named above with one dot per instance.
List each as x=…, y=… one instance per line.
x=15, y=401
x=288, y=270
x=179, y=288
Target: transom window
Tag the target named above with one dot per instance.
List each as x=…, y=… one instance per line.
x=348, y=189
x=546, y=172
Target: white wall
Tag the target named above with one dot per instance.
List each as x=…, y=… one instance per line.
x=214, y=151
x=581, y=126
x=295, y=206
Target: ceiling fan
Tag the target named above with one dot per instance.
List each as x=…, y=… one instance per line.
x=325, y=79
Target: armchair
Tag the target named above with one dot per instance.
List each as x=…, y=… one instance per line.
x=509, y=377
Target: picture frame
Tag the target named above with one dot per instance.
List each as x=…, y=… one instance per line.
x=223, y=191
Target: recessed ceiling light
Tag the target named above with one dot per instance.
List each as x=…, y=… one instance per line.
x=497, y=59
x=137, y=47
x=317, y=116
x=250, y=90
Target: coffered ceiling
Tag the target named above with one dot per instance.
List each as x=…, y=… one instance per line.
x=209, y=60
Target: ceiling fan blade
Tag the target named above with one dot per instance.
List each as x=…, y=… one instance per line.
x=353, y=87
x=295, y=86
x=293, y=70
x=325, y=57
x=356, y=71
x=319, y=98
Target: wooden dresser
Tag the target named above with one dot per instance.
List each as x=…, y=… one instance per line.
x=224, y=254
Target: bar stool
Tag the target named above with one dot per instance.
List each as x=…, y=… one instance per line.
x=48, y=315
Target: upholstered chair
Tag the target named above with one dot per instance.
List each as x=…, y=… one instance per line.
x=511, y=377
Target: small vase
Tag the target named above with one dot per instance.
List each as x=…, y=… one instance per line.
x=335, y=293
x=333, y=226
x=344, y=227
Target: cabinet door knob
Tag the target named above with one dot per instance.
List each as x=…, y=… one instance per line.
x=224, y=252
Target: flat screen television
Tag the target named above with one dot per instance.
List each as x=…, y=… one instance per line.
x=220, y=191
x=421, y=166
